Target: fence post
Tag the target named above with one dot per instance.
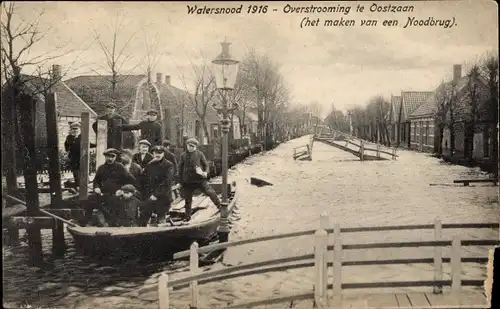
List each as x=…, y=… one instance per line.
x=378, y=150
x=320, y=246
x=337, y=266
x=438, y=257
x=193, y=269
x=325, y=224
x=361, y=150
x=456, y=280
x=163, y=292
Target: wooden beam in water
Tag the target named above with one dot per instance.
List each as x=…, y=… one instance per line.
x=27, y=107
x=102, y=141
x=84, y=156
x=28, y=223
x=58, y=243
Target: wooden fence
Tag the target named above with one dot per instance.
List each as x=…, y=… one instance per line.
x=321, y=262
x=304, y=152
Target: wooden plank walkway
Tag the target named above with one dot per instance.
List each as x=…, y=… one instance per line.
x=396, y=300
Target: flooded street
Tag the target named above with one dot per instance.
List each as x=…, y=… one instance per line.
x=351, y=192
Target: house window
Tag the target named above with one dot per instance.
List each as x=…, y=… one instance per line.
x=215, y=131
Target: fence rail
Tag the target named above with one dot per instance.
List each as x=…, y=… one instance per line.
x=362, y=146
x=321, y=261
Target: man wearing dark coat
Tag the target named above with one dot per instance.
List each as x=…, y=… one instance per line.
x=156, y=185
x=151, y=130
x=72, y=147
x=126, y=159
x=109, y=178
x=110, y=115
x=143, y=157
x=193, y=170
x=170, y=156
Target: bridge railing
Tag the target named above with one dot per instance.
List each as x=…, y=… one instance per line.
x=320, y=260
x=362, y=146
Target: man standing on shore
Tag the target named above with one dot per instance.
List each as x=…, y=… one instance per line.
x=72, y=147
x=110, y=115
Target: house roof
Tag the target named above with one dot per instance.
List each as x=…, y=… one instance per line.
x=96, y=91
x=411, y=100
x=69, y=104
x=427, y=109
x=395, y=108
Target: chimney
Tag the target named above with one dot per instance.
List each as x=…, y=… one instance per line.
x=159, y=78
x=457, y=72
x=56, y=71
x=167, y=80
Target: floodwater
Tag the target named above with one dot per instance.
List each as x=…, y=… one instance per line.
x=335, y=183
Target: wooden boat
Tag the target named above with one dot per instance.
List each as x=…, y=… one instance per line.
x=156, y=241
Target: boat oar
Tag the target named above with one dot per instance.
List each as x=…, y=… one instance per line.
x=44, y=212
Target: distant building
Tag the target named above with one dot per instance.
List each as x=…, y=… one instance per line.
x=410, y=101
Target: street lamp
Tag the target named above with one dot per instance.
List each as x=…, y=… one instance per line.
x=225, y=71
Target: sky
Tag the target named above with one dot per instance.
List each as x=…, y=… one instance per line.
x=344, y=66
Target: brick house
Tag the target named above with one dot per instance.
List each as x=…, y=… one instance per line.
x=423, y=126
x=133, y=95
x=69, y=106
x=410, y=101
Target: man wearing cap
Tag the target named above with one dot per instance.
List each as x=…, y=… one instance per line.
x=193, y=170
x=133, y=168
x=150, y=129
x=170, y=156
x=156, y=185
x=109, y=178
x=72, y=147
x=110, y=115
x=143, y=157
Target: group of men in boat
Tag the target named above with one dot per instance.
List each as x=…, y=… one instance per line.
x=136, y=189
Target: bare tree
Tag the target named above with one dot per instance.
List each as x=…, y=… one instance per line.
x=471, y=116
x=488, y=70
x=445, y=97
x=20, y=37
x=204, y=92
x=116, y=53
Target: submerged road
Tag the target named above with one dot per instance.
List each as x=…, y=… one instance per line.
x=353, y=193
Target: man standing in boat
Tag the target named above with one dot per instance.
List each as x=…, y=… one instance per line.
x=72, y=147
x=193, y=171
x=133, y=168
x=109, y=178
x=156, y=185
x=151, y=130
x=143, y=157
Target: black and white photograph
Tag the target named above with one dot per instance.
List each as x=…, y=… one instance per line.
x=237, y=154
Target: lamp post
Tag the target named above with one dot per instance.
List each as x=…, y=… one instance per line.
x=225, y=71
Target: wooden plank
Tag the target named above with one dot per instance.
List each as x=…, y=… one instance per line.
x=84, y=156
x=101, y=142
x=441, y=299
x=472, y=298
x=58, y=242
x=29, y=222
x=381, y=300
x=303, y=304
x=403, y=300
x=27, y=106
x=418, y=299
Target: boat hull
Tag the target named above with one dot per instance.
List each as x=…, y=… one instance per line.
x=147, y=242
